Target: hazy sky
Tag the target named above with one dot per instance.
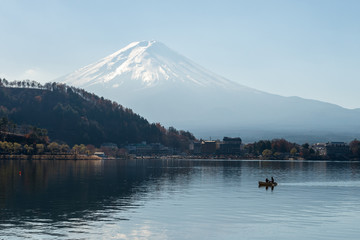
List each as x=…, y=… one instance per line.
x=300, y=48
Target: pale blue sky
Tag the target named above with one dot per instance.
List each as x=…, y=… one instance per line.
x=301, y=48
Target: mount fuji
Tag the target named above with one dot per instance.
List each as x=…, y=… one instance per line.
x=164, y=86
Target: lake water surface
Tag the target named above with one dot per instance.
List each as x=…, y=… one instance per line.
x=179, y=199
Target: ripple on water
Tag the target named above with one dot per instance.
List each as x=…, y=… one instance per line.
x=354, y=184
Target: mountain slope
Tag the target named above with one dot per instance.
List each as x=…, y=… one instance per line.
x=164, y=86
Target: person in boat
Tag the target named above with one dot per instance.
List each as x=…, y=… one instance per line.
x=272, y=180
x=266, y=180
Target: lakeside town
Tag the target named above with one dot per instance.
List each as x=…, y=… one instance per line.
x=228, y=148
x=234, y=148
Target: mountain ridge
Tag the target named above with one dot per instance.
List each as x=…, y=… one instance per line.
x=76, y=116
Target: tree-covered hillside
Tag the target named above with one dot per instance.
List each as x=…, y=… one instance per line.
x=75, y=116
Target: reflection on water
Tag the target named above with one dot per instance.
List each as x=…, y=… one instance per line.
x=59, y=190
x=178, y=199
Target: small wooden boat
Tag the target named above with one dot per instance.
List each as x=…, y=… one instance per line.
x=267, y=184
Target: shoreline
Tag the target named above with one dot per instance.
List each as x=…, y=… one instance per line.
x=170, y=157
x=49, y=157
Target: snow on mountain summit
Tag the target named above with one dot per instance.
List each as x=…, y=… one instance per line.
x=145, y=64
x=164, y=86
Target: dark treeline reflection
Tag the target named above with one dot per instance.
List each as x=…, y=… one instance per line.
x=62, y=190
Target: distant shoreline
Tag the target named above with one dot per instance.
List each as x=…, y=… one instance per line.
x=49, y=157
x=177, y=157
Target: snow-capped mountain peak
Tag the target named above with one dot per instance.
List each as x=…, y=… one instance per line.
x=164, y=86
x=145, y=64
